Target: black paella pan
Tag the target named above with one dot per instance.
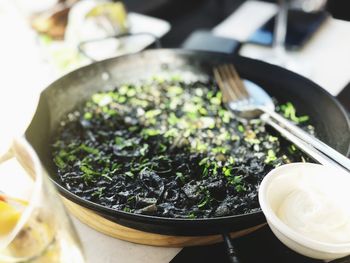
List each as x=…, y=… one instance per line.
x=329, y=118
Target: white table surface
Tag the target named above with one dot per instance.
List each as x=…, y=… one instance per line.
x=24, y=75
x=325, y=59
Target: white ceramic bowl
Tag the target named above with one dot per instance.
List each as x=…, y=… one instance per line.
x=281, y=182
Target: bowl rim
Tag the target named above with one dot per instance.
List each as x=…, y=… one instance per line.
x=277, y=223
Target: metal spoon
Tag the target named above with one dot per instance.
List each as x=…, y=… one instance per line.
x=248, y=100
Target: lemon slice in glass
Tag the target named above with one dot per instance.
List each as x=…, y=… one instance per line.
x=9, y=217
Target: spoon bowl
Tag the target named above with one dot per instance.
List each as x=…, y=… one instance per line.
x=250, y=107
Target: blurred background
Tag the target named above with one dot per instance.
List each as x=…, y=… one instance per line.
x=63, y=32
x=42, y=40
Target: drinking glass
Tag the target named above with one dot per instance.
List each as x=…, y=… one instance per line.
x=34, y=226
x=280, y=32
x=278, y=54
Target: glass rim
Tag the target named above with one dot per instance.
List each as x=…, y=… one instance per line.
x=21, y=150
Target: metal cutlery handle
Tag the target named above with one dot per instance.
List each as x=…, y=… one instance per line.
x=231, y=251
x=304, y=136
x=304, y=146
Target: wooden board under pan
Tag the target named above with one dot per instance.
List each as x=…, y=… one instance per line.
x=115, y=230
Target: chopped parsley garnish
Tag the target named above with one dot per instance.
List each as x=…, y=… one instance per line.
x=168, y=148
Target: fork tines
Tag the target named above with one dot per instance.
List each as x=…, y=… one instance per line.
x=230, y=83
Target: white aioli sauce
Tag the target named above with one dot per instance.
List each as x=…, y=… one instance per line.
x=315, y=214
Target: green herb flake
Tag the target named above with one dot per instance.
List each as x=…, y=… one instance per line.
x=210, y=94
x=101, y=99
x=132, y=128
x=227, y=171
x=289, y=112
x=207, y=122
x=240, y=188
x=130, y=199
x=235, y=137
x=206, y=200
x=144, y=149
x=203, y=111
x=240, y=128
x=231, y=160
x=131, y=92
x=292, y=149
x=181, y=177
x=159, y=79
x=203, y=203
x=107, y=177
x=172, y=119
x=87, y=170
x=89, y=149
x=138, y=102
x=88, y=115
x=272, y=138
x=215, y=169
x=191, y=216
x=162, y=147
x=236, y=180
x=215, y=101
x=201, y=147
x=219, y=149
x=152, y=113
x=204, y=161
x=62, y=153
x=108, y=111
x=99, y=192
x=88, y=173
x=115, y=167
x=119, y=141
x=71, y=158
x=129, y=174
x=121, y=99
x=304, y=118
x=150, y=132
x=252, y=140
x=225, y=115
x=123, y=90
x=171, y=133
x=205, y=171
x=174, y=90
x=187, y=133
x=271, y=156
x=176, y=78
x=59, y=162
x=127, y=209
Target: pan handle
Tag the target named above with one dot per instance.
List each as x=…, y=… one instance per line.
x=231, y=251
x=81, y=49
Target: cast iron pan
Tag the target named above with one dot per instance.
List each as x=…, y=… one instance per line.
x=61, y=97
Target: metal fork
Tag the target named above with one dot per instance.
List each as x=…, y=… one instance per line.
x=249, y=100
